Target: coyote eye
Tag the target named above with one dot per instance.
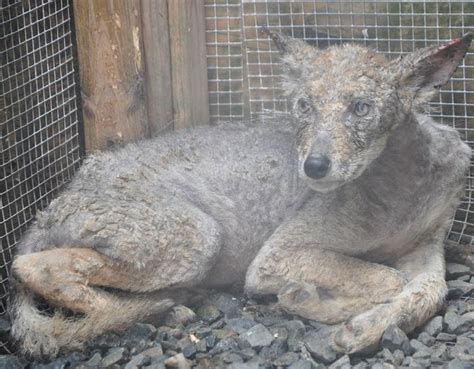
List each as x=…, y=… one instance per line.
x=304, y=106
x=361, y=109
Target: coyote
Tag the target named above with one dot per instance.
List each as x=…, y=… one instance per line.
x=340, y=209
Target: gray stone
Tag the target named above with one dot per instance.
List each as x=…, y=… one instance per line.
x=180, y=315
x=141, y=331
x=457, y=288
x=417, y=346
x=211, y=341
x=240, y=325
x=137, y=361
x=189, y=351
x=231, y=357
x=439, y=353
x=258, y=336
x=76, y=357
x=178, y=361
x=218, y=324
x=387, y=355
x=434, y=326
x=279, y=332
x=247, y=353
x=454, y=270
x=379, y=365
x=342, y=363
x=105, y=341
x=422, y=355
x=202, y=332
x=395, y=339
x=209, y=313
x=464, y=349
x=153, y=352
x=412, y=363
x=459, y=364
x=398, y=357
x=302, y=364
x=426, y=339
x=445, y=337
x=60, y=363
x=10, y=362
x=318, y=345
x=115, y=355
x=278, y=347
x=468, y=317
x=455, y=323
x=296, y=331
x=228, y=305
x=286, y=359
x=227, y=344
x=249, y=365
x=94, y=360
x=154, y=366
x=361, y=365
x=201, y=346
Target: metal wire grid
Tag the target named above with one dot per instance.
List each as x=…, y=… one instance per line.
x=225, y=65
x=39, y=128
x=391, y=27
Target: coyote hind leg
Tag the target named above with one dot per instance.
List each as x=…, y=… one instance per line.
x=69, y=278
x=113, y=289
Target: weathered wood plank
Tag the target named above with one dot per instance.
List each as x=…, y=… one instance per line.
x=109, y=37
x=188, y=62
x=157, y=62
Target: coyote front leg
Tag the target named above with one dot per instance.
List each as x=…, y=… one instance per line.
x=421, y=297
x=319, y=284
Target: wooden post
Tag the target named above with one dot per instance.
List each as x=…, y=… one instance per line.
x=111, y=73
x=157, y=61
x=188, y=61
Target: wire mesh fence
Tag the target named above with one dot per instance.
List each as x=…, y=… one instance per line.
x=39, y=127
x=244, y=68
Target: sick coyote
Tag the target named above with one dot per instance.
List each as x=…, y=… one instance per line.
x=340, y=209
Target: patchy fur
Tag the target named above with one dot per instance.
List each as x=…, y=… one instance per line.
x=232, y=204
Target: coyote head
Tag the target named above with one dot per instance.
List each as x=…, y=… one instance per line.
x=346, y=100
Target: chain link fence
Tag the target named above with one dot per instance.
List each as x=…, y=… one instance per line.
x=39, y=128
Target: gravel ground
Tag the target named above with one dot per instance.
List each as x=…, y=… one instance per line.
x=227, y=331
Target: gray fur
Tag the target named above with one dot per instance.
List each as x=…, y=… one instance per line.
x=231, y=204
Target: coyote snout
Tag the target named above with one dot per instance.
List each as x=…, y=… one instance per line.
x=341, y=214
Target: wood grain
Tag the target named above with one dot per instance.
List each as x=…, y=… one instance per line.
x=108, y=36
x=157, y=62
x=188, y=61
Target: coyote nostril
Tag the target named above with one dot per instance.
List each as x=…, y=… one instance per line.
x=316, y=166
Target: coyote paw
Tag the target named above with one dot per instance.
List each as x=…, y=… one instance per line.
x=363, y=332
x=312, y=302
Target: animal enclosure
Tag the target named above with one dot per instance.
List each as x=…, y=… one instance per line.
x=39, y=125
x=148, y=66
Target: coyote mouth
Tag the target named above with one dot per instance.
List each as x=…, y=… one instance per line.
x=324, y=185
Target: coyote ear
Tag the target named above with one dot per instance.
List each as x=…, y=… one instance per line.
x=430, y=68
x=288, y=45
x=295, y=55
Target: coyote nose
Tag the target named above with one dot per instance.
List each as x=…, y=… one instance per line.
x=316, y=166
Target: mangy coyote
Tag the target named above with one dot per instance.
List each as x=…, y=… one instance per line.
x=340, y=210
